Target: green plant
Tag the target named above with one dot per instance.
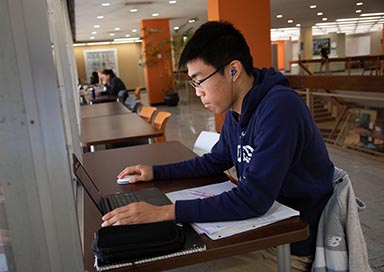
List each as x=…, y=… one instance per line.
x=164, y=54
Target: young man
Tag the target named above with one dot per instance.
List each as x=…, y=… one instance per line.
x=268, y=135
x=324, y=57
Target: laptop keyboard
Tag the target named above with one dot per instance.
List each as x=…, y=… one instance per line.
x=119, y=200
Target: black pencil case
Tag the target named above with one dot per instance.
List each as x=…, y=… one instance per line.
x=132, y=242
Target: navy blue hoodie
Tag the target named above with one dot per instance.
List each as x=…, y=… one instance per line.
x=278, y=153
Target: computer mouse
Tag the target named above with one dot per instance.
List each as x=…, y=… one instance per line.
x=126, y=179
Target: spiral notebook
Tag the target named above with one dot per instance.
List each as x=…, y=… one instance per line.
x=193, y=244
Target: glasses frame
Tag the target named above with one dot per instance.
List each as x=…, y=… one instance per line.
x=197, y=84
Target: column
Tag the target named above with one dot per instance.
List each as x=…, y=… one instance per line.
x=306, y=44
x=158, y=65
x=252, y=18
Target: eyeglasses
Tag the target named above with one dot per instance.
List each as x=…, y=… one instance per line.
x=197, y=84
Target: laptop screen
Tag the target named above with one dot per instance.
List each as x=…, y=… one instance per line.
x=86, y=182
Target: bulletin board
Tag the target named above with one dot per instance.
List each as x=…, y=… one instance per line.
x=318, y=43
x=98, y=60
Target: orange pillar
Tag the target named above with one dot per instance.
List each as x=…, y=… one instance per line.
x=157, y=58
x=252, y=18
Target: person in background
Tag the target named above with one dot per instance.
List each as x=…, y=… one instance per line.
x=94, y=80
x=270, y=137
x=324, y=57
x=111, y=82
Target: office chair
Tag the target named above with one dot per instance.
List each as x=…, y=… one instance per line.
x=340, y=241
x=132, y=103
x=122, y=96
x=160, y=122
x=147, y=112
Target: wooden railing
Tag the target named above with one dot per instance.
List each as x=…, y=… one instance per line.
x=371, y=62
x=362, y=88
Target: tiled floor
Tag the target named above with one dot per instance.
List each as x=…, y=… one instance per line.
x=367, y=174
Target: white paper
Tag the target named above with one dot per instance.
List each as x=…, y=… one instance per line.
x=217, y=230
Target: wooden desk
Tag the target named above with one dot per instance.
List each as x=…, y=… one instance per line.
x=115, y=129
x=104, y=165
x=85, y=95
x=103, y=109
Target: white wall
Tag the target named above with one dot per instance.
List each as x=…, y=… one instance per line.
x=35, y=172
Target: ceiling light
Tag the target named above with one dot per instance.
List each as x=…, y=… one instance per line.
x=312, y=6
x=358, y=11
x=176, y=28
x=100, y=17
x=279, y=16
x=94, y=33
x=92, y=38
x=117, y=28
x=133, y=10
x=324, y=19
x=319, y=13
x=298, y=25
x=359, y=3
x=372, y=14
x=127, y=35
x=98, y=43
x=191, y=21
x=106, y=4
x=290, y=21
x=126, y=39
x=155, y=14
x=347, y=19
x=96, y=26
x=172, y=2
x=134, y=30
x=111, y=34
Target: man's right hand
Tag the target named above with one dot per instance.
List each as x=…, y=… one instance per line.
x=143, y=172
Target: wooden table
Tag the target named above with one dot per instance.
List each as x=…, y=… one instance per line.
x=115, y=129
x=104, y=165
x=103, y=109
x=85, y=95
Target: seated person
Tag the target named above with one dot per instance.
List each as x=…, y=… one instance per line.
x=94, y=80
x=111, y=82
x=270, y=137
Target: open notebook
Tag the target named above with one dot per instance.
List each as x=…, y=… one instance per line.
x=218, y=230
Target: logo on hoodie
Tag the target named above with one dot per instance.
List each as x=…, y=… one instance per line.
x=244, y=153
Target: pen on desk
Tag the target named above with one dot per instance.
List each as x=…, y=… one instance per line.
x=199, y=193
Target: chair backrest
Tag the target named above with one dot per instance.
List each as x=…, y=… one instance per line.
x=160, y=122
x=122, y=96
x=340, y=240
x=205, y=141
x=132, y=103
x=137, y=92
x=147, y=112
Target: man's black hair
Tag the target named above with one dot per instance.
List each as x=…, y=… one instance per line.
x=217, y=44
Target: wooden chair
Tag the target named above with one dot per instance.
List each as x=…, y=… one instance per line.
x=137, y=92
x=160, y=122
x=147, y=112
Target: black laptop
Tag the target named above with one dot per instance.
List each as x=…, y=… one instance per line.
x=108, y=203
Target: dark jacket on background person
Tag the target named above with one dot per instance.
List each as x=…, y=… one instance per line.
x=278, y=153
x=114, y=85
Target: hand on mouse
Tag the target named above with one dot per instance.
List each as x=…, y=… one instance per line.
x=141, y=172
